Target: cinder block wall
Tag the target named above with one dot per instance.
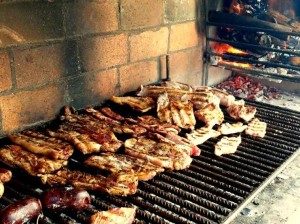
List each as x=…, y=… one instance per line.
x=80, y=53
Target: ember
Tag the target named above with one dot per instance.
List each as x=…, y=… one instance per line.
x=245, y=87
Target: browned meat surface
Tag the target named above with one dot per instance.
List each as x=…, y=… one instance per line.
x=141, y=104
x=38, y=143
x=227, y=128
x=225, y=98
x=16, y=156
x=199, y=136
x=153, y=124
x=210, y=115
x=117, y=127
x=117, y=162
x=122, y=183
x=161, y=154
x=256, y=128
x=238, y=112
x=227, y=145
x=82, y=142
x=110, y=113
x=114, y=216
x=177, y=112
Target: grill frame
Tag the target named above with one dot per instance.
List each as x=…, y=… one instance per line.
x=210, y=191
x=210, y=38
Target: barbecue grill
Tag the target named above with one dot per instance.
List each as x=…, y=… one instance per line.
x=213, y=190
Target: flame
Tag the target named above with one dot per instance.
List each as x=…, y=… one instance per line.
x=222, y=48
x=226, y=48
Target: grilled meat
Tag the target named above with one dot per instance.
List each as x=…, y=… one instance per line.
x=141, y=104
x=182, y=114
x=110, y=113
x=256, y=128
x=225, y=98
x=117, y=162
x=82, y=142
x=201, y=135
x=238, y=112
x=199, y=98
x=210, y=115
x=177, y=85
x=227, y=128
x=183, y=144
x=153, y=124
x=38, y=143
x=227, y=145
x=176, y=111
x=114, y=216
x=100, y=116
x=163, y=108
x=122, y=183
x=100, y=132
x=116, y=126
x=159, y=153
x=16, y=156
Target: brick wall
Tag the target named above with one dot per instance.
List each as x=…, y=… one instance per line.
x=81, y=53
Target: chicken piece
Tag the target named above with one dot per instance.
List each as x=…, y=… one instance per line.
x=176, y=112
x=114, y=216
x=122, y=183
x=256, y=128
x=227, y=128
x=199, y=136
x=227, y=145
x=202, y=99
x=210, y=115
x=16, y=156
x=225, y=98
x=82, y=142
x=161, y=154
x=163, y=108
x=117, y=162
x=183, y=114
x=38, y=143
x=141, y=104
x=241, y=112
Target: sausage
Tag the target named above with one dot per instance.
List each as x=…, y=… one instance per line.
x=58, y=199
x=5, y=175
x=21, y=211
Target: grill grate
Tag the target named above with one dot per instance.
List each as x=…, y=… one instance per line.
x=212, y=190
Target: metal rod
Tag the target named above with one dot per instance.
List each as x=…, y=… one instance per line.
x=253, y=46
x=255, y=29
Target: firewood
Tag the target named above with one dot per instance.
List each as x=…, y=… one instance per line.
x=234, y=19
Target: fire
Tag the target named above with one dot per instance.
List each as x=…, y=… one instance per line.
x=226, y=48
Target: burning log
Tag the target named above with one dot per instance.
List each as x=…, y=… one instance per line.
x=234, y=19
x=283, y=20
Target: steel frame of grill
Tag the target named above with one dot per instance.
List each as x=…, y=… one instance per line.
x=213, y=190
x=256, y=72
